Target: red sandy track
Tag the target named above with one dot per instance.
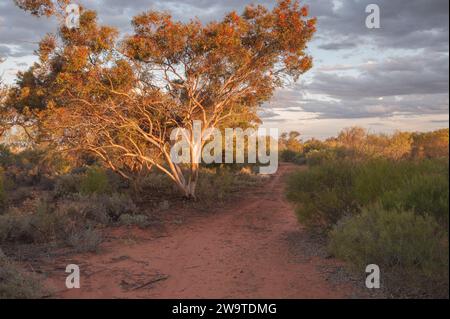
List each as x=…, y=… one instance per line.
x=241, y=251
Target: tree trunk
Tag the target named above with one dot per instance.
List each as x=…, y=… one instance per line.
x=193, y=178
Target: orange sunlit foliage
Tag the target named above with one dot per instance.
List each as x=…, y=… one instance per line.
x=356, y=143
x=121, y=99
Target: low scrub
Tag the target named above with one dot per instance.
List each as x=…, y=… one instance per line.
x=219, y=184
x=91, y=181
x=40, y=226
x=95, y=181
x=110, y=206
x=71, y=220
x=141, y=221
x=390, y=213
x=325, y=193
x=67, y=184
x=84, y=239
x=216, y=183
x=400, y=242
x=16, y=284
x=2, y=194
x=47, y=224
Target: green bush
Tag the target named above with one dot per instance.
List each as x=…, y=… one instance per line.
x=419, y=186
x=95, y=182
x=116, y=205
x=215, y=185
x=376, y=177
x=323, y=194
x=72, y=221
x=424, y=194
x=395, y=240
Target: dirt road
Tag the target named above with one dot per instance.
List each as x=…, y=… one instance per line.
x=243, y=251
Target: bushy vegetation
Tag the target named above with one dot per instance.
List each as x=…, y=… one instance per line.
x=16, y=284
x=129, y=123
x=45, y=205
x=2, y=193
x=391, y=211
x=356, y=144
x=335, y=189
x=412, y=248
x=95, y=182
x=421, y=186
x=224, y=181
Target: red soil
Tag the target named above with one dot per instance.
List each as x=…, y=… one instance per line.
x=241, y=251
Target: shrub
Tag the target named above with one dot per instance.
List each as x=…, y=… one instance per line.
x=67, y=184
x=395, y=240
x=46, y=224
x=419, y=186
x=117, y=205
x=2, y=194
x=318, y=157
x=95, y=182
x=134, y=220
x=423, y=194
x=156, y=183
x=288, y=156
x=215, y=185
x=298, y=158
x=41, y=226
x=16, y=227
x=84, y=239
x=376, y=177
x=323, y=194
x=15, y=284
x=104, y=209
x=6, y=157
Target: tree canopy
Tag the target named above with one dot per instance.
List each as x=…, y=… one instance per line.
x=120, y=99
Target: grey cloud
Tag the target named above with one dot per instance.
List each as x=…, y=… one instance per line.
x=343, y=45
x=405, y=24
x=371, y=107
x=416, y=74
x=4, y=50
x=413, y=83
x=267, y=113
x=408, y=24
x=21, y=30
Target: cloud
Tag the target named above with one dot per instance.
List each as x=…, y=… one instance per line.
x=406, y=24
x=394, y=76
x=341, y=45
x=413, y=84
x=401, y=68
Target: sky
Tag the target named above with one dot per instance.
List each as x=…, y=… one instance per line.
x=387, y=79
